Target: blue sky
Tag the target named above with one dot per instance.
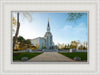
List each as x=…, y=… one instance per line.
x=62, y=30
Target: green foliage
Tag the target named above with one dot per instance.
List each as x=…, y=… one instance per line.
x=23, y=44
x=73, y=44
x=18, y=56
x=82, y=55
x=81, y=47
x=74, y=16
x=66, y=48
x=44, y=47
x=20, y=39
x=28, y=43
x=68, y=45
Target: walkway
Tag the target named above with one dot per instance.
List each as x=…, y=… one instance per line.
x=50, y=57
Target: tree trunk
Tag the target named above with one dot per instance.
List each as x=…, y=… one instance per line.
x=17, y=31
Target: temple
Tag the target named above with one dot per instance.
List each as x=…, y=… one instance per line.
x=46, y=41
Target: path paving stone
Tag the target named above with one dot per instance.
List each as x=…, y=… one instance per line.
x=50, y=57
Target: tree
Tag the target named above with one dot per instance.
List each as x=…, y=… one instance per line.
x=28, y=43
x=59, y=46
x=74, y=16
x=68, y=46
x=78, y=42
x=17, y=30
x=65, y=45
x=20, y=39
x=37, y=46
x=73, y=44
x=14, y=23
x=23, y=44
x=81, y=47
x=27, y=15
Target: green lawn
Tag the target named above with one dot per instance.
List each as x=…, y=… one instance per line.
x=18, y=56
x=82, y=55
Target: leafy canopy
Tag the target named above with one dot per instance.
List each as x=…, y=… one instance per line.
x=74, y=16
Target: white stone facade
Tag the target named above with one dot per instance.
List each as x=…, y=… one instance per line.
x=40, y=41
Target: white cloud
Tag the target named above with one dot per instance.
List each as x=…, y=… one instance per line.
x=81, y=26
x=67, y=27
x=75, y=29
x=77, y=32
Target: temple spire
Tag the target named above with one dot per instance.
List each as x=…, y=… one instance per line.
x=48, y=22
x=48, y=27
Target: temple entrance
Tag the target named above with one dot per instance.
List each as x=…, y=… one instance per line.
x=51, y=49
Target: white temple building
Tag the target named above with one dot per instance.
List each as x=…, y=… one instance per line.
x=46, y=41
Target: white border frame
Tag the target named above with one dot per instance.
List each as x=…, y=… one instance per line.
x=8, y=68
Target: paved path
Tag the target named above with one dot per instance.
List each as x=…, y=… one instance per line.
x=50, y=57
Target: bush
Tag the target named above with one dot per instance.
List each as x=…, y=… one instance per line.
x=66, y=48
x=44, y=48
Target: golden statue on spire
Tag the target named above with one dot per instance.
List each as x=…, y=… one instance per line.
x=48, y=19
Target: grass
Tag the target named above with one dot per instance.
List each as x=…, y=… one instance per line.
x=18, y=56
x=82, y=55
